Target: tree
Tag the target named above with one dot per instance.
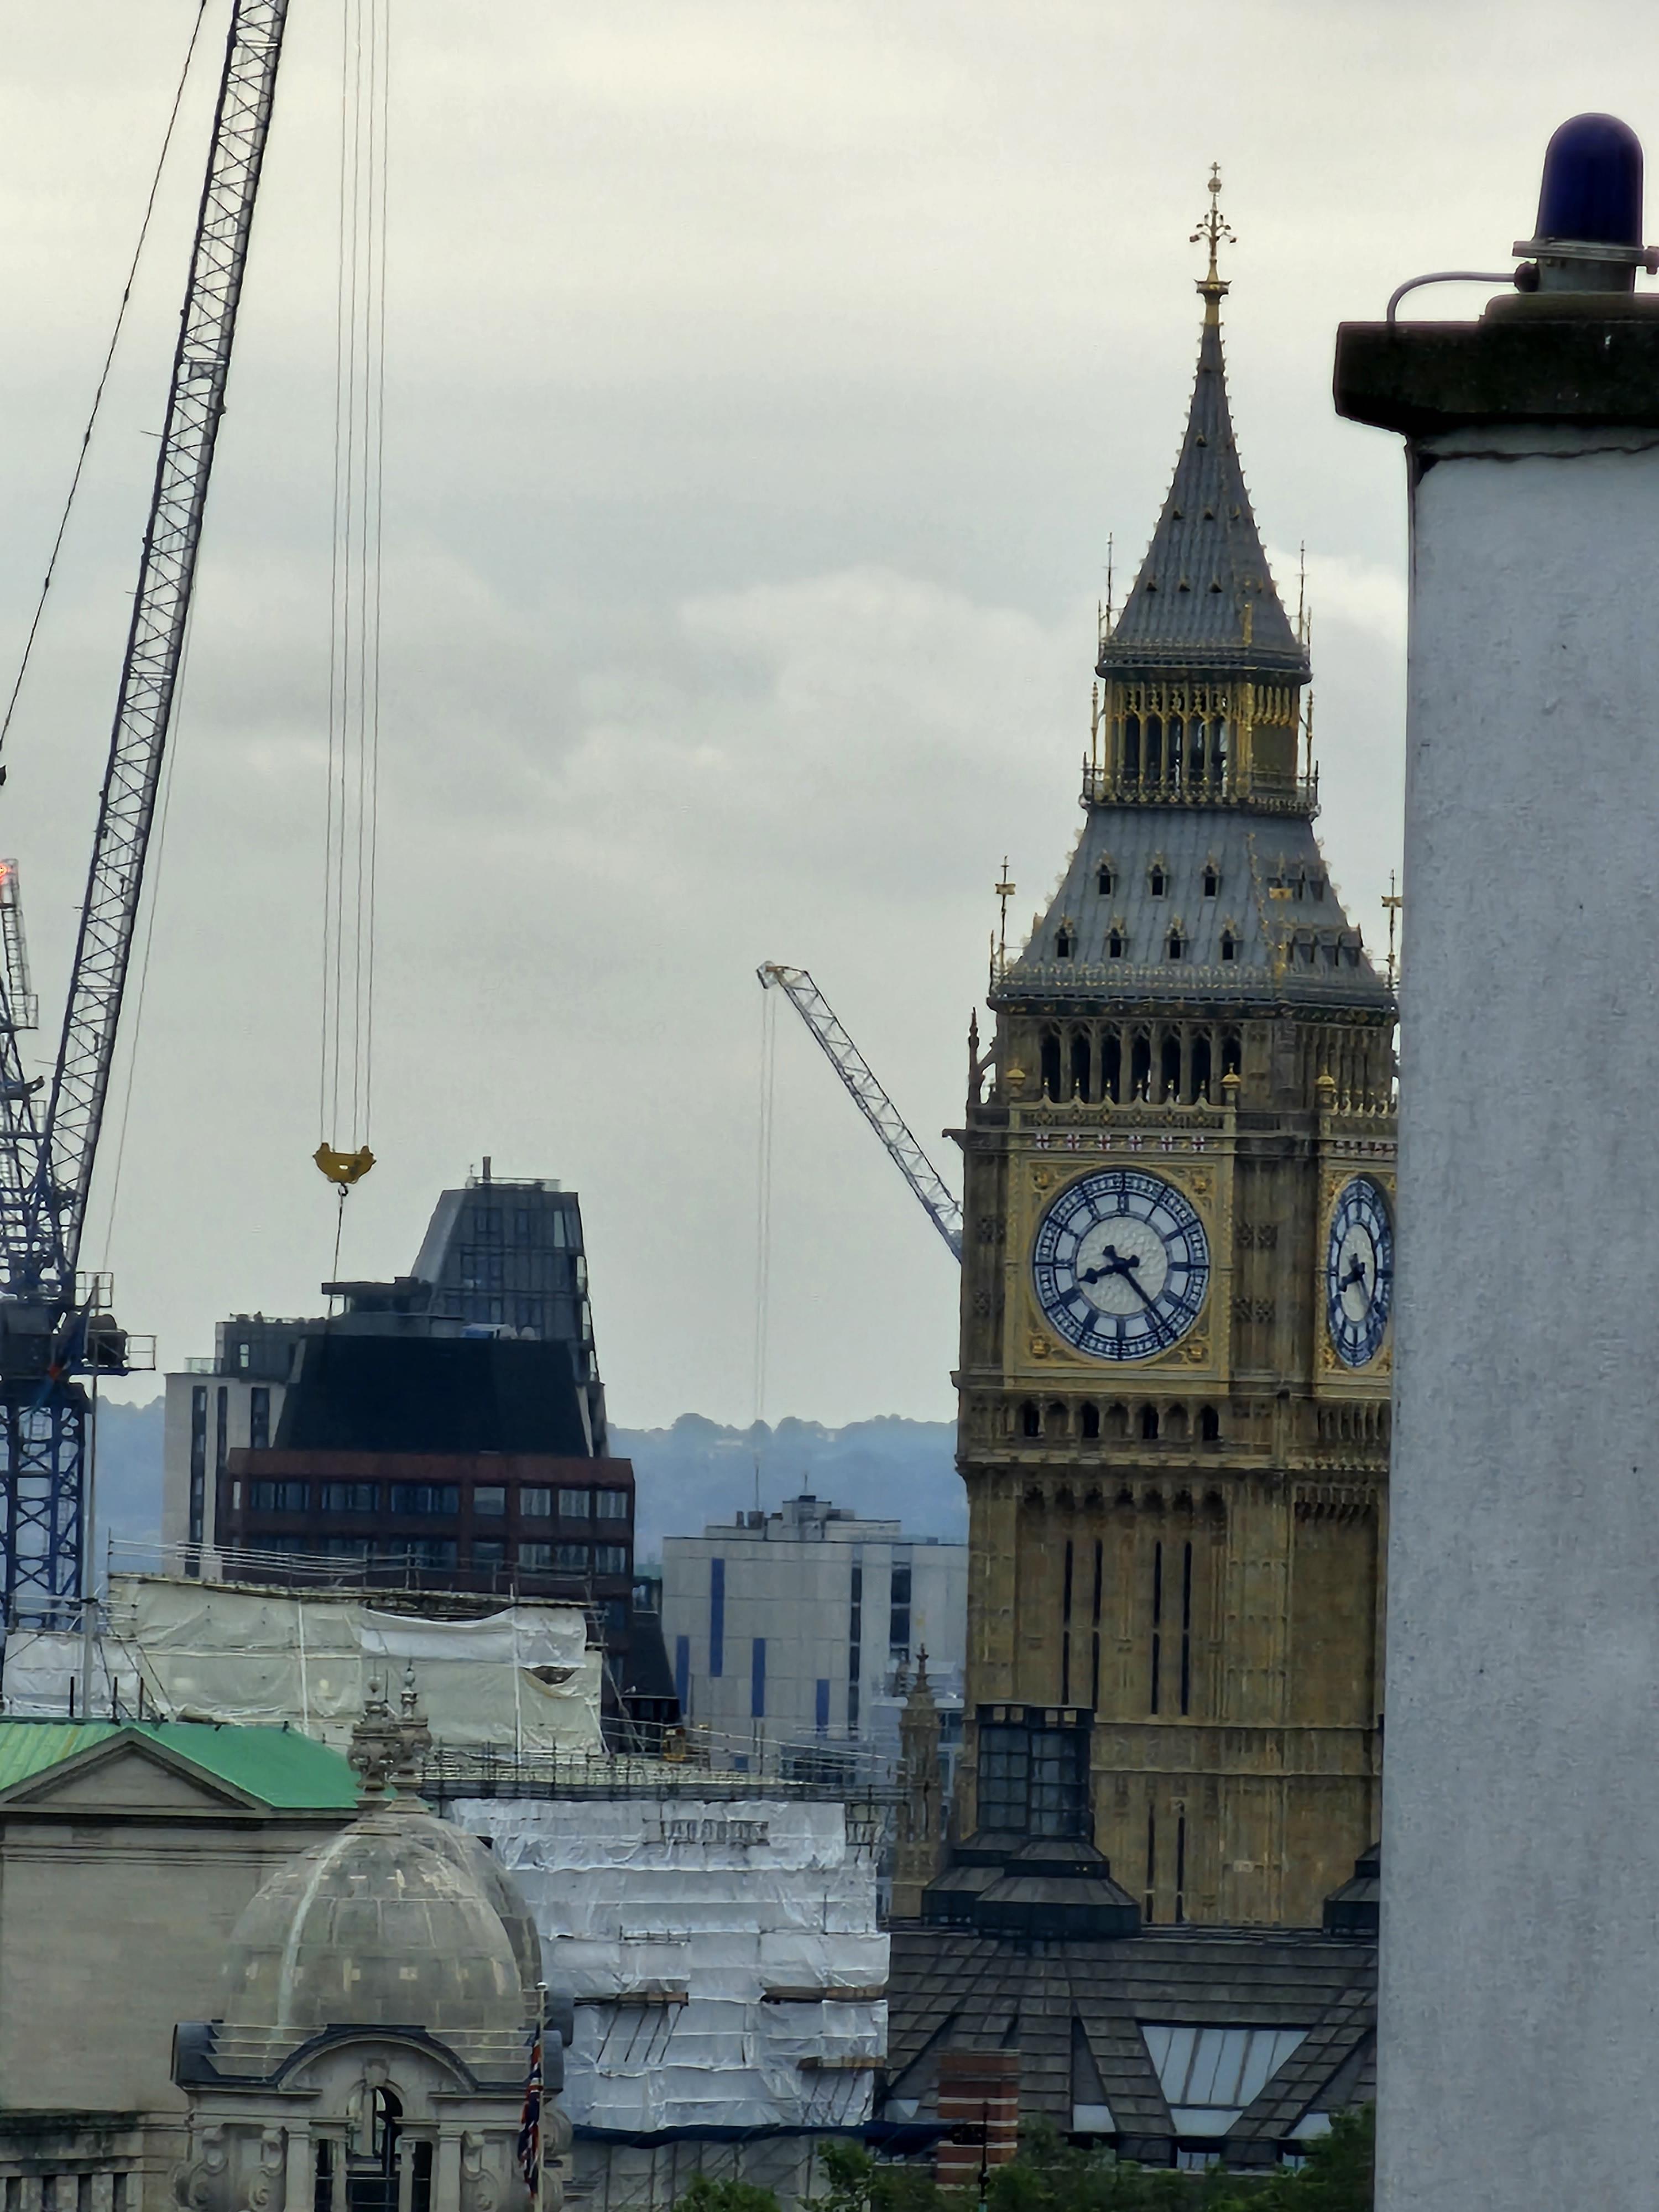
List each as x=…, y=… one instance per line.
x=859, y=2183
x=702, y=2195
x=1337, y=2177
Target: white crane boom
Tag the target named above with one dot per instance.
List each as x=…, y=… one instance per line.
x=867, y=1094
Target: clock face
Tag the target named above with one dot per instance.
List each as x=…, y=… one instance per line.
x=1121, y=1264
x=1359, y=1272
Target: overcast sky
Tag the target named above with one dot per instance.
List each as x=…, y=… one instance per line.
x=764, y=381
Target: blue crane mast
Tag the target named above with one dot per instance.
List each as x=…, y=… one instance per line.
x=53, y=1328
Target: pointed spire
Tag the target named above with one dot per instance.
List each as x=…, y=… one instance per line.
x=1204, y=601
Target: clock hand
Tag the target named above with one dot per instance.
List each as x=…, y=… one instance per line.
x=1356, y=1274
x=1114, y=1266
x=1122, y=1266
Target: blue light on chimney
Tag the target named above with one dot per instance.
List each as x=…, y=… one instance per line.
x=1592, y=190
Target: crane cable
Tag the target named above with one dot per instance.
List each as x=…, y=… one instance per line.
x=767, y=1116
x=136, y=1025
x=103, y=378
x=351, y=827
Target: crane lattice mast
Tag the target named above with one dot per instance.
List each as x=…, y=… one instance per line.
x=867, y=1094
x=46, y=1159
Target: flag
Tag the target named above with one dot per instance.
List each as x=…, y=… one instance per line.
x=530, y=2121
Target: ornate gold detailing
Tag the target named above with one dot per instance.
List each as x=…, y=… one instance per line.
x=1212, y=228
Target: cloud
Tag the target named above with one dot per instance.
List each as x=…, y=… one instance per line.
x=763, y=383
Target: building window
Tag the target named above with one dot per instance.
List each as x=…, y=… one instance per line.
x=1212, y=883
x=571, y=1558
x=244, y=1356
x=1063, y=943
x=1005, y=1773
x=221, y=1430
x=538, y=1556
x=682, y=1675
x=1177, y=945
x=427, y=1554
x=855, y=1645
x=821, y=1704
x=489, y=1499
x=1115, y=945
x=198, y=1398
x=610, y=1504
x=1034, y=1780
x=1106, y=879
x=535, y=1503
x=898, y=1621
x=258, y=1417
x=1229, y=945
x=489, y=1552
x=757, y=1679
x=279, y=1497
x=425, y=1498
x=575, y=1504
x=611, y=1558
x=717, y=1616
x=350, y=1497
x=1158, y=882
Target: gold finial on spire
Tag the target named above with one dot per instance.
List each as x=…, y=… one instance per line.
x=1392, y=903
x=1211, y=232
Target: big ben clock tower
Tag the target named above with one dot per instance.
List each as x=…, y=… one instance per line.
x=1177, y=1273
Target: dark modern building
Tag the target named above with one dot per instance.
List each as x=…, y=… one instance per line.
x=443, y=1432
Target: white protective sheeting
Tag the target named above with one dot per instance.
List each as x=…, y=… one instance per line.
x=40, y=1669
x=523, y=1677
x=707, y=1906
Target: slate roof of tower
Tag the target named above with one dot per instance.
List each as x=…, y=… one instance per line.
x=1290, y=940
x=1204, y=571
x=1083, y=2005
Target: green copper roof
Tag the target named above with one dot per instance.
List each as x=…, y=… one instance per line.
x=283, y=1769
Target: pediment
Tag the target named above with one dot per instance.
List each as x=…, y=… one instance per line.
x=127, y=1773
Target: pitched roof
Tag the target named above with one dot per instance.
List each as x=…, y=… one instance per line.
x=1205, y=597
x=1078, y=2014
x=281, y=1768
x=1272, y=900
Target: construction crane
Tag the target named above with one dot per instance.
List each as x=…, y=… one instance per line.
x=867, y=1094
x=54, y=1327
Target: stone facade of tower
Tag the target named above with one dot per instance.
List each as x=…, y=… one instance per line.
x=1177, y=1271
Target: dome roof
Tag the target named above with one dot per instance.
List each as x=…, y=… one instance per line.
x=393, y=1922
x=475, y=1857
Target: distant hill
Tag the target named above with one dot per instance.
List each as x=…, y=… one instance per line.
x=128, y=1504
x=694, y=1473
x=886, y=1468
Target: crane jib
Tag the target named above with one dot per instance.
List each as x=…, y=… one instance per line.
x=46, y=1159
x=155, y=640
x=867, y=1094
